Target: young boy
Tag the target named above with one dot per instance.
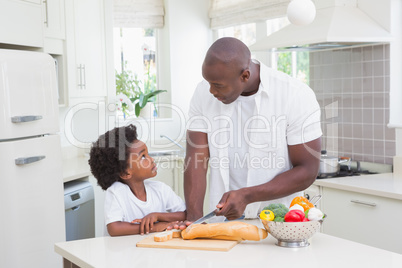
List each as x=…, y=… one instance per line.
x=133, y=204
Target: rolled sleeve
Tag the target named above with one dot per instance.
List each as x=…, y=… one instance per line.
x=197, y=120
x=304, y=118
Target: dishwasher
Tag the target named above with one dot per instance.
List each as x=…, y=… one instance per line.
x=80, y=210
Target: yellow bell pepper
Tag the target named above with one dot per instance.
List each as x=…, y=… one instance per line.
x=267, y=215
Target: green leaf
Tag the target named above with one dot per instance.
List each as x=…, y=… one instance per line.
x=142, y=101
x=154, y=93
x=137, y=109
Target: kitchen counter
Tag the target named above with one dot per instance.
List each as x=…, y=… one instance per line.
x=75, y=168
x=324, y=251
x=385, y=185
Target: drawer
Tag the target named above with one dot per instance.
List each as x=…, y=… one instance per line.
x=367, y=219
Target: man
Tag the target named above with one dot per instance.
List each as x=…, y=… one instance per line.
x=258, y=128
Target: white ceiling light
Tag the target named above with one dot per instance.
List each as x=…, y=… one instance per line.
x=301, y=12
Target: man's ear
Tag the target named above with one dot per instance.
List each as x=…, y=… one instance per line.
x=245, y=75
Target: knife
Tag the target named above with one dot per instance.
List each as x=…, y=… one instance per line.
x=206, y=217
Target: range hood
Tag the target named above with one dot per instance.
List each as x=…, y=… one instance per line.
x=333, y=27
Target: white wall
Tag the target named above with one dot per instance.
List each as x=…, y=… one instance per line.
x=189, y=37
x=395, y=73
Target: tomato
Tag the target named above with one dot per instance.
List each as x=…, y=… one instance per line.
x=294, y=216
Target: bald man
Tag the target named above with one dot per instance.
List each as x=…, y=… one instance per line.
x=257, y=129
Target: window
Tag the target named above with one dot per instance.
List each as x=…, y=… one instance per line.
x=135, y=65
x=136, y=24
x=245, y=32
x=296, y=64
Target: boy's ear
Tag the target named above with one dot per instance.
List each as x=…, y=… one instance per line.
x=125, y=175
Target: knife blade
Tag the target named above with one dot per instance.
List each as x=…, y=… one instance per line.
x=206, y=217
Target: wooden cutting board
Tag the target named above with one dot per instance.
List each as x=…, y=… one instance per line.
x=198, y=244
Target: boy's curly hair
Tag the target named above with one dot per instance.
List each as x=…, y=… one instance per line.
x=109, y=155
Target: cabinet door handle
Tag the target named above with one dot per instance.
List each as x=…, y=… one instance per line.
x=363, y=203
x=85, y=77
x=80, y=76
x=28, y=160
x=46, y=13
x=26, y=118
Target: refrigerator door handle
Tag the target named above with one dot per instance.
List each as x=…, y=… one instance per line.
x=26, y=118
x=28, y=160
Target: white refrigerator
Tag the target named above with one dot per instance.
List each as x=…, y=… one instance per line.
x=31, y=183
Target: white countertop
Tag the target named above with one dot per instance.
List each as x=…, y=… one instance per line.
x=324, y=251
x=385, y=185
x=75, y=168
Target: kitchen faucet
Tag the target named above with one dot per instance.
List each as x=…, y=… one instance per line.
x=164, y=136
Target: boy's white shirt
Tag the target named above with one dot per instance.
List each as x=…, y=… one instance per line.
x=122, y=205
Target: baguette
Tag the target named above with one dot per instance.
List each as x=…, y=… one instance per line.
x=176, y=233
x=234, y=230
x=163, y=236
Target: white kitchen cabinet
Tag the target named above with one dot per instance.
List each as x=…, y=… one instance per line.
x=99, y=207
x=170, y=172
x=21, y=23
x=85, y=46
x=54, y=19
x=311, y=192
x=363, y=218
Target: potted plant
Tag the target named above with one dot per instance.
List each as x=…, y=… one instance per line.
x=130, y=94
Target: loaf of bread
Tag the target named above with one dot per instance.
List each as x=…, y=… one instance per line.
x=163, y=236
x=234, y=230
x=176, y=233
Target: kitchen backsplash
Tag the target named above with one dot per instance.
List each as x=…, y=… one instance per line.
x=352, y=87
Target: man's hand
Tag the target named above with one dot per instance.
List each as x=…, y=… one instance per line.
x=232, y=204
x=179, y=225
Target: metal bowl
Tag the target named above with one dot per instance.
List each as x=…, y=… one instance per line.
x=292, y=234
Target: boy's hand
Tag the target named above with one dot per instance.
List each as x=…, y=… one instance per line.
x=147, y=223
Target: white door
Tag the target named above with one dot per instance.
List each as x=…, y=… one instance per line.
x=54, y=19
x=28, y=94
x=32, y=198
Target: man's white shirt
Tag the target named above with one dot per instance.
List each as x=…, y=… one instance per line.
x=283, y=112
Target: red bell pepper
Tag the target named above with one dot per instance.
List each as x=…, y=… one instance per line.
x=294, y=216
